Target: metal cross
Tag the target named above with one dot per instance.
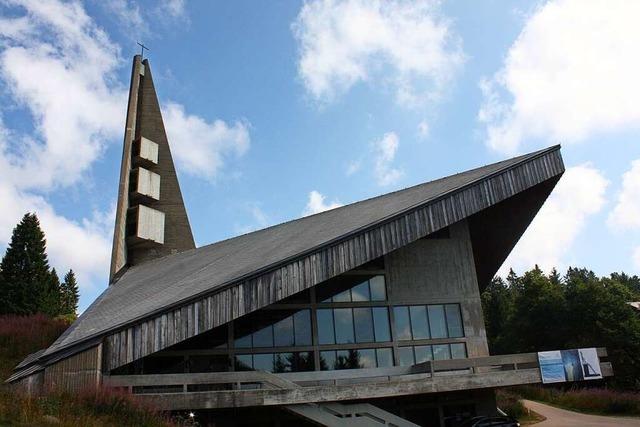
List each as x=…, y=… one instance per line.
x=142, y=48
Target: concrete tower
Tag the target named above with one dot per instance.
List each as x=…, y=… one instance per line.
x=151, y=219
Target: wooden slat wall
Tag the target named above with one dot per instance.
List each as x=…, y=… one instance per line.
x=76, y=373
x=252, y=294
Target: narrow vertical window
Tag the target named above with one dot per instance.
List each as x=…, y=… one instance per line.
x=243, y=362
x=423, y=353
x=378, y=291
x=364, y=324
x=437, y=322
x=419, y=322
x=381, y=324
x=458, y=351
x=402, y=324
x=344, y=296
x=263, y=362
x=325, y=327
x=454, y=320
x=344, y=325
x=327, y=360
x=367, y=358
x=441, y=352
x=283, y=332
x=243, y=342
x=302, y=327
x=263, y=337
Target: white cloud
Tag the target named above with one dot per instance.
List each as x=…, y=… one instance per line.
x=259, y=219
x=175, y=8
x=571, y=72
x=626, y=213
x=385, y=151
x=423, y=129
x=200, y=147
x=84, y=246
x=405, y=43
x=317, y=204
x=128, y=14
x=579, y=195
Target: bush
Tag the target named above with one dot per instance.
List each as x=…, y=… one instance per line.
x=23, y=335
x=510, y=403
x=592, y=400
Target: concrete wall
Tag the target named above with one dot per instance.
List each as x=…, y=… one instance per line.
x=433, y=271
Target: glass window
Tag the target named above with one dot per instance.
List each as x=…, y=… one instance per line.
x=302, y=361
x=263, y=362
x=403, y=327
x=367, y=358
x=302, y=323
x=458, y=351
x=263, y=337
x=437, y=322
x=243, y=342
x=378, y=291
x=405, y=356
x=283, y=332
x=243, y=362
x=381, y=324
x=423, y=353
x=347, y=359
x=361, y=292
x=364, y=324
x=385, y=357
x=419, y=322
x=327, y=360
x=454, y=321
x=325, y=326
x=344, y=325
x=283, y=362
x=344, y=296
x=441, y=352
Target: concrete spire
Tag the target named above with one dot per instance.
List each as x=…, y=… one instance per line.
x=151, y=219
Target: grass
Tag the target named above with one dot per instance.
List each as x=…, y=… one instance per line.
x=601, y=401
x=22, y=335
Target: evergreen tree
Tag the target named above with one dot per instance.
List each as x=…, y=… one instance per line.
x=25, y=268
x=51, y=297
x=70, y=294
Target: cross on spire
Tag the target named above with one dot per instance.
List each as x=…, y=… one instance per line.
x=142, y=48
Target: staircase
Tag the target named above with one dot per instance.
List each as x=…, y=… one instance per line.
x=335, y=414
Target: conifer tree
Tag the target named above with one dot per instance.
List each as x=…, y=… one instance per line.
x=70, y=294
x=25, y=268
x=51, y=298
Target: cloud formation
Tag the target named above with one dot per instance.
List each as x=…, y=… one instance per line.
x=200, y=147
x=408, y=45
x=626, y=213
x=571, y=72
x=317, y=204
x=549, y=239
x=385, y=151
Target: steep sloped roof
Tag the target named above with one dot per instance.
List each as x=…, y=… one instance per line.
x=159, y=284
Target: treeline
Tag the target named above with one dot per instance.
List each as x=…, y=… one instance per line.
x=537, y=312
x=27, y=283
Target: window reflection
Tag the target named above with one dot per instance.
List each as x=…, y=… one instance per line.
x=377, y=287
x=403, y=326
x=344, y=325
x=437, y=322
x=454, y=321
x=423, y=353
x=419, y=323
x=405, y=356
x=286, y=332
x=302, y=322
x=384, y=357
x=325, y=326
x=372, y=289
x=381, y=324
x=355, y=359
x=283, y=332
x=364, y=324
x=441, y=352
x=275, y=362
x=361, y=292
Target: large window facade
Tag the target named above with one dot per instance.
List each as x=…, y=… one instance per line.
x=348, y=324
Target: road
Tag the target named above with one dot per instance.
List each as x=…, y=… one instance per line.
x=562, y=418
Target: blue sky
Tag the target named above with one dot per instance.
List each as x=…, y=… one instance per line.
x=284, y=108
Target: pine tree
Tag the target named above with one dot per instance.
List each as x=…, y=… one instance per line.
x=52, y=297
x=70, y=294
x=25, y=268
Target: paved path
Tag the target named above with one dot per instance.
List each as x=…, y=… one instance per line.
x=562, y=418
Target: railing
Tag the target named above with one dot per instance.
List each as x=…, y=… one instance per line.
x=224, y=389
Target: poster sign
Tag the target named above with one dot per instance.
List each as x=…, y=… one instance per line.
x=569, y=365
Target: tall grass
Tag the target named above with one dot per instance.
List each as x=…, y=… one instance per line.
x=22, y=335
x=98, y=409
x=591, y=400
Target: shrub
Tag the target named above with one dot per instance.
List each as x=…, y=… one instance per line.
x=510, y=403
x=594, y=400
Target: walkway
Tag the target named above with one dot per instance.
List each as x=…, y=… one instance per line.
x=562, y=418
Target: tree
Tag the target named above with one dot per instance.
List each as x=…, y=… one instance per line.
x=25, y=268
x=497, y=305
x=70, y=294
x=51, y=297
